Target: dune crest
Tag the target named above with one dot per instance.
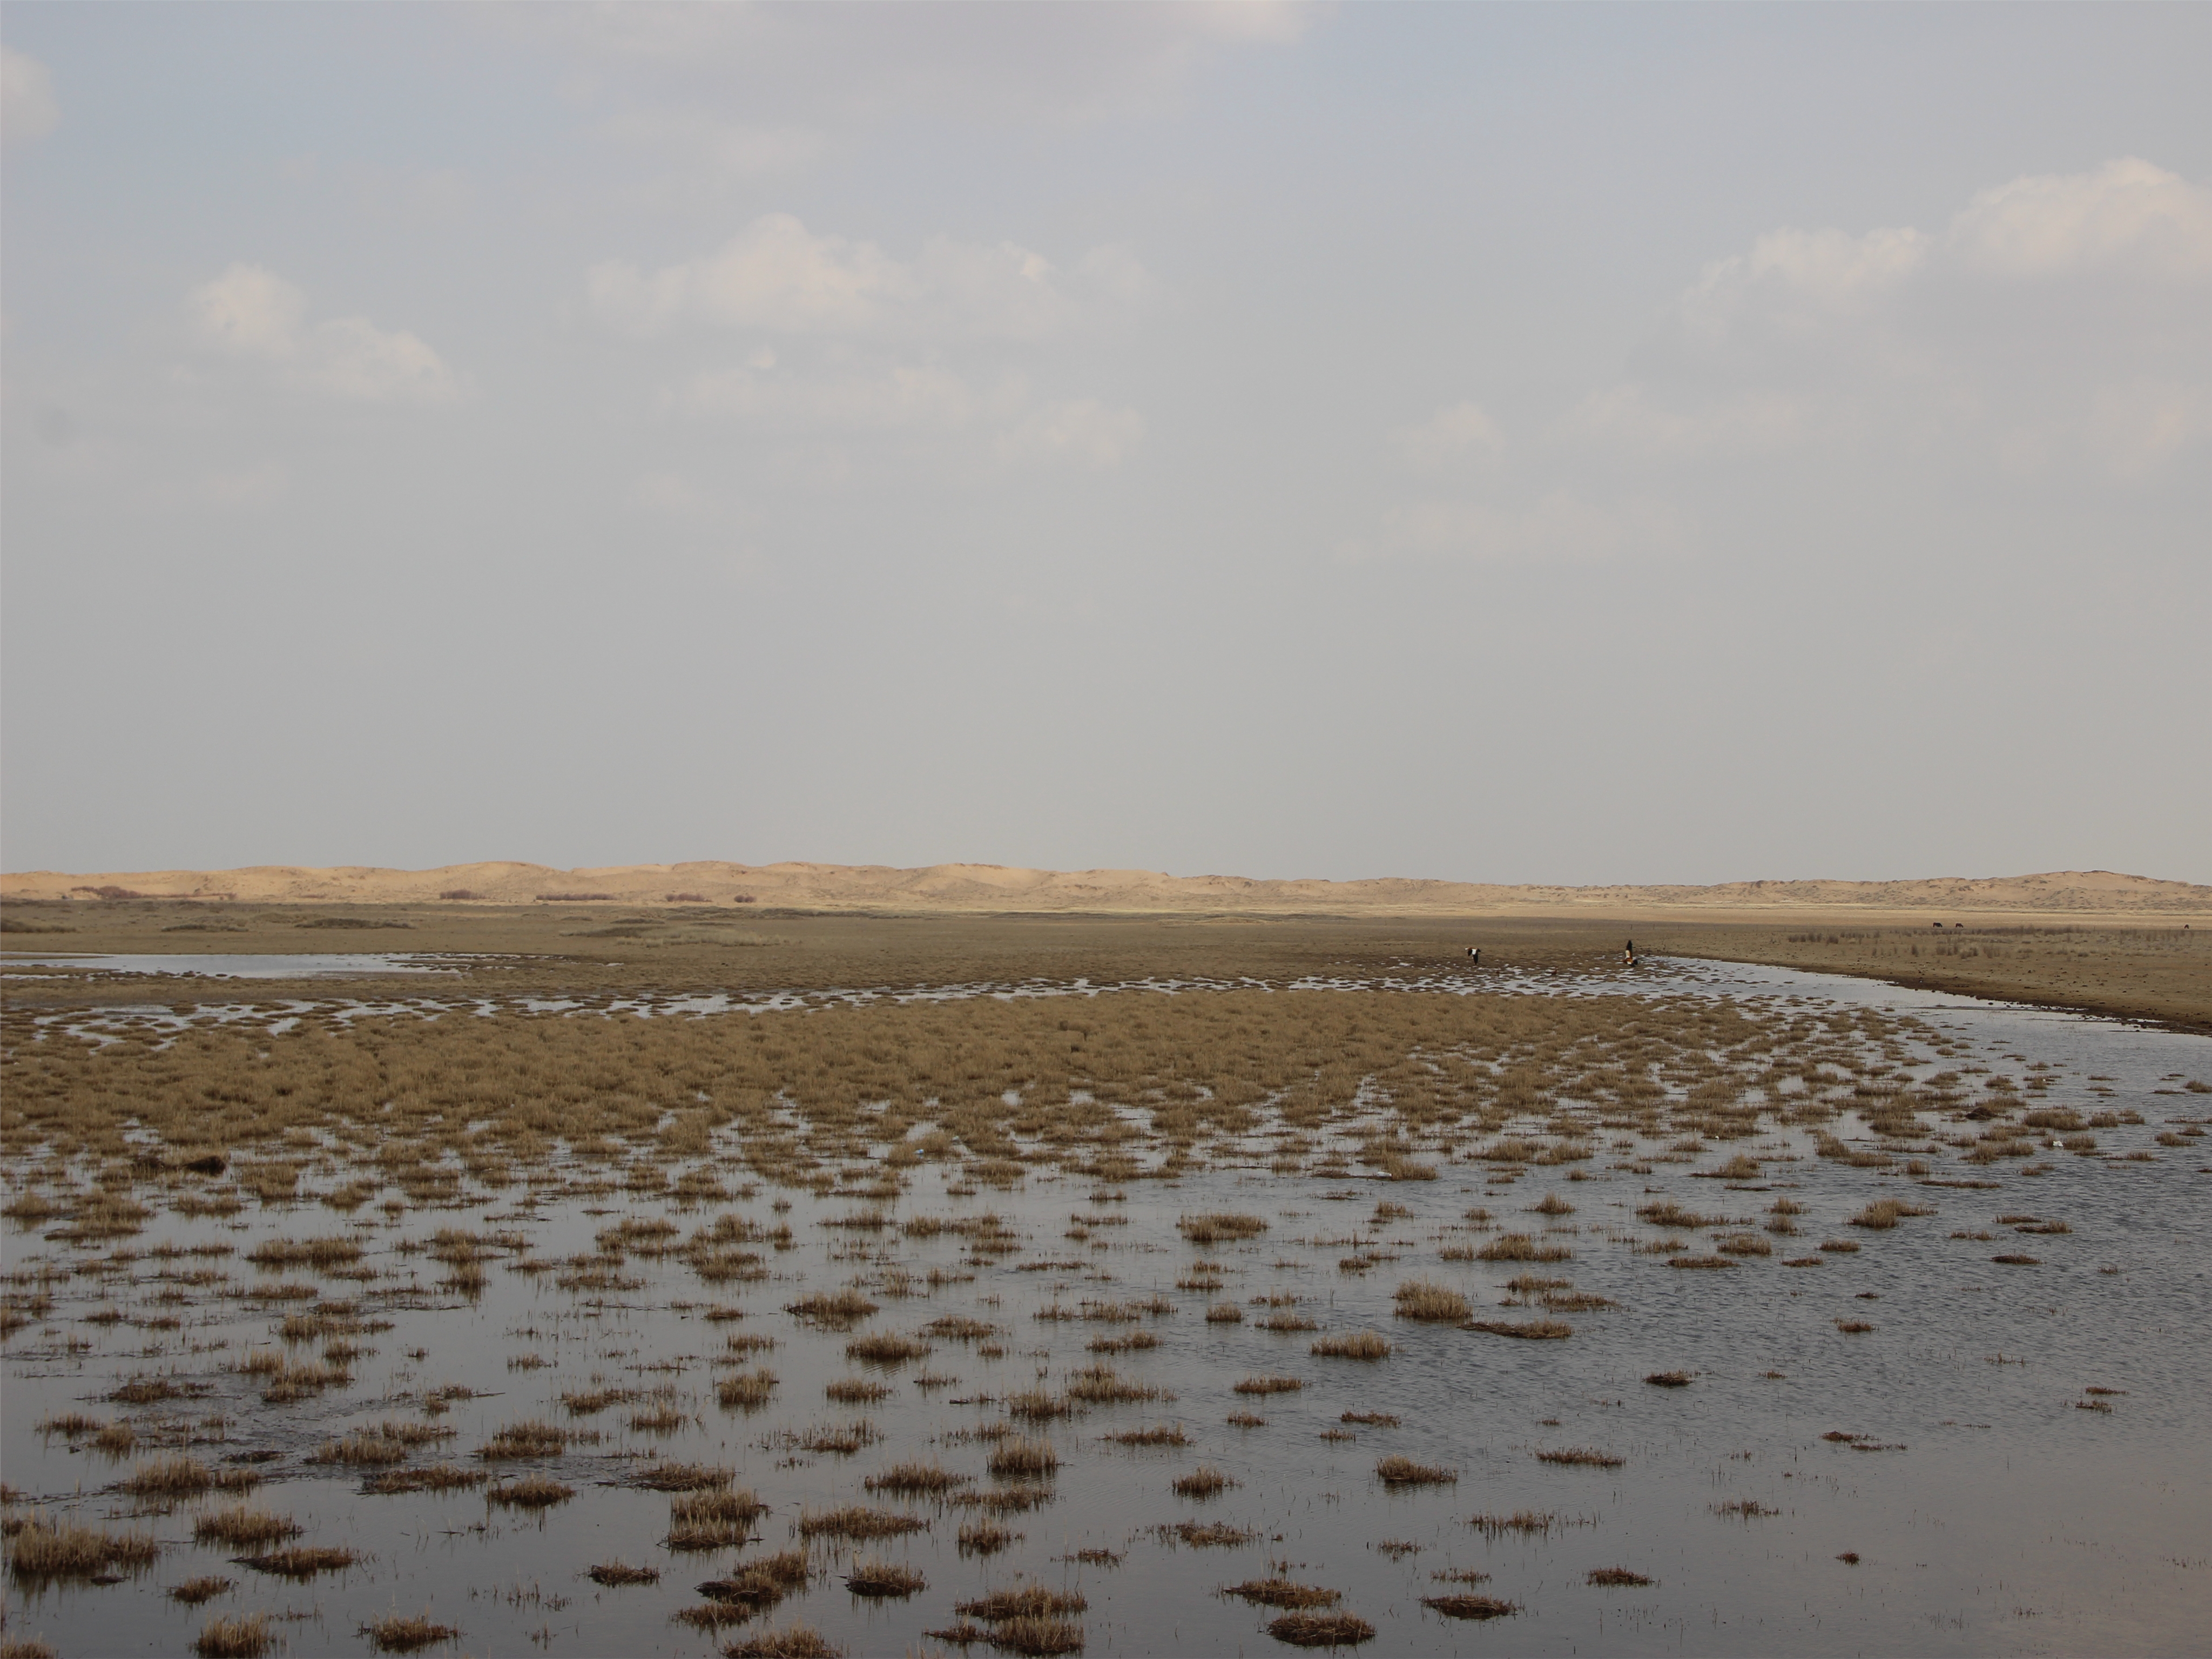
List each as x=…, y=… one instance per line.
x=985, y=888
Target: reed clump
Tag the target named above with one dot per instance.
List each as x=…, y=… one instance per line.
x=1470, y=1606
x=61, y=1549
x=1581, y=1457
x=236, y=1637
x=1357, y=1345
x=530, y=1491
x=1016, y=1458
x=1309, y=1629
x=884, y=1578
x=194, y=1591
x=1396, y=1471
x=406, y=1633
x=854, y=1522
x=1281, y=1592
x=712, y=1518
x=239, y=1528
x=300, y=1560
x=1425, y=1300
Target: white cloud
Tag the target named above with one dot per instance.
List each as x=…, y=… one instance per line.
x=778, y=275
x=2058, y=322
x=1083, y=431
x=1557, y=527
x=1455, y=436
x=898, y=397
x=28, y=108
x=251, y=312
x=2128, y=215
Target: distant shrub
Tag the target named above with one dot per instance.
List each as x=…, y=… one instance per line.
x=459, y=893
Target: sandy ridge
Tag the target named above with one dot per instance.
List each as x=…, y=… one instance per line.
x=988, y=887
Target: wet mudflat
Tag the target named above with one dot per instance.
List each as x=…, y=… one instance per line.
x=1721, y=1311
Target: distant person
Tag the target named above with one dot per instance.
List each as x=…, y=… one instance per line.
x=1628, y=954
x=1475, y=956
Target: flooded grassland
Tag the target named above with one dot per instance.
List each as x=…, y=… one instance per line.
x=1708, y=1308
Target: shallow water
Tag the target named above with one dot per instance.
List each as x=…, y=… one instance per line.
x=1989, y=1511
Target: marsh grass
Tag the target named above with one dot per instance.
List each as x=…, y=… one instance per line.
x=194, y=1591
x=61, y=1549
x=300, y=1560
x=1266, y=1385
x=615, y=1574
x=239, y=1527
x=1470, y=1606
x=985, y=1538
x=1427, y=1301
x=1202, y=1483
x=437, y=1477
x=712, y=1518
x=884, y=1578
x=405, y=1633
x=1530, y=1330
x=854, y=1522
x=1395, y=1471
x=1281, y=1592
x=916, y=1478
x=1357, y=1345
x=1581, y=1457
x=1016, y=1458
x=793, y=1641
x=529, y=1492
x=1615, y=1579
x=237, y=1637
x=1307, y=1629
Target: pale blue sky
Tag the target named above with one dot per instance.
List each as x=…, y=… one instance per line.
x=1505, y=443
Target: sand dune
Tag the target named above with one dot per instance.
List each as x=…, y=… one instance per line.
x=982, y=887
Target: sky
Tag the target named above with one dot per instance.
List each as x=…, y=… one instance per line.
x=1579, y=444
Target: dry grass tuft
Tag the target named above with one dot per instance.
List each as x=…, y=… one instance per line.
x=1279, y=1592
x=1422, y=1299
x=1669, y=1379
x=1615, y=1579
x=170, y=1478
x=1394, y=1471
x=63, y=1550
x=1028, y=1601
x=300, y=1561
x=886, y=1350
x=239, y=1528
x=617, y=1573
x=1530, y=1330
x=1581, y=1457
x=1521, y=1521
x=712, y=1518
x=1206, y=1534
x=1018, y=1459
x=985, y=1538
x=531, y=1492
x=832, y=1312
x=749, y=1391
x=1320, y=1630
x=1357, y=1345
x=1269, y=1385
x=1202, y=1483
x=438, y=1477
x=916, y=1478
x=1470, y=1606
x=884, y=1578
x=398, y=1633
x=854, y=1522
x=244, y=1636
x=793, y=1641
x=193, y=1591
x=1215, y=1228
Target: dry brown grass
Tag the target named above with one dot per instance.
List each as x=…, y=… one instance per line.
x=1320, y=1630
x=437, y=1477
x=1581, y=1457
x=884, y=1578
x=529, y=1492
x=1395, y=1471
x=194, y=1591
x=1530, y=1330
x=1016, y=1458
x=793, y=1641
x=300, y=1560
x=1423, y=1299
x=1470, y=1606
x=1264, y=1385
x=1280, y=1592
x=615, y=1574
x=405, y=1633
x=1202, y=1483
x=985, y=1538
x=712, y=1518
x=854, y=1522
x=909, y=1478
x=238, y=1637
x=1356, y=1344
x=61, y=1549
x=1220, y=1227
x=239, y=1528
x=1615, y=1579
